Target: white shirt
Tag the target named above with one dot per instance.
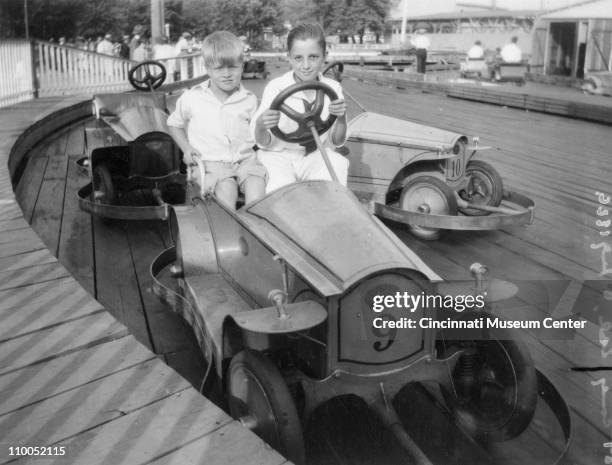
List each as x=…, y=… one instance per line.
x=105, y=47
x=421, y=41
x=296, y=101
x=161, y=51
x=511, y=53
x=219, y=131
x=182, y=45
x=476, y=52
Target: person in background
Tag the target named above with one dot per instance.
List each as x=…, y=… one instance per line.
x=105, y=47
x=493, y=61
x=134, y=45
x=476, y=52
x=141, y=53
x=421, y=42
x=511, y=53
x=124, y=48
x=182, y=46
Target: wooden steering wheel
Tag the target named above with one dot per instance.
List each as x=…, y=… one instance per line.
x=147, y=75
x=311, y=117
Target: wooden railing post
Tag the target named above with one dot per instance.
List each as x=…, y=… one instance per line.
x=33, y=58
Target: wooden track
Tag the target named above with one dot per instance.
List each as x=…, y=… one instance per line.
x=557, y=161
x=531, y=97
x=71, y=375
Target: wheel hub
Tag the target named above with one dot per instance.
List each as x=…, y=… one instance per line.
x=423, y=208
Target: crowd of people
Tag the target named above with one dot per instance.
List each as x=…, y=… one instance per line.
x=134, y=47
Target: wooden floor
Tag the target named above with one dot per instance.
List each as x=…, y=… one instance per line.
x=532, y=96
x=559, y=162
x=71, y=375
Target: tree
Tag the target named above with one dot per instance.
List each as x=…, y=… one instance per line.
x=354, y=17
x=248, y=17
x=321, y=12
x=199, y=17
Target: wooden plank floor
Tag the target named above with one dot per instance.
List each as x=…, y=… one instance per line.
x=70, y=374
x=532, y=96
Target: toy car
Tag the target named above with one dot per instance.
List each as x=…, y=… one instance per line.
x=254, y=69
x=510, y=72
x=428, y=178
x=474, y=67
x=281, y=296
x=129, y=149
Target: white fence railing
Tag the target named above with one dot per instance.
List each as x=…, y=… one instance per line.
x=67, y=70
x=16, y=83
x=43, y=69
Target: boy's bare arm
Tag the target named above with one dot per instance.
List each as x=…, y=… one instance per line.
x=338, y=109
x=267, y=120
x=180, y=137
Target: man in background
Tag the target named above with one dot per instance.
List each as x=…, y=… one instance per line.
x=421, y=42
x=476, y=52
x=105, y=47
x=511, y=53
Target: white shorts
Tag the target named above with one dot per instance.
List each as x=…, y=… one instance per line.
x=289, y=167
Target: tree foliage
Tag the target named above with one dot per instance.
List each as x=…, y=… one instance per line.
x=90, y=18
x=344, y=17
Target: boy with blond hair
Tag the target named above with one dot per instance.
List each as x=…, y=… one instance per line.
x=211, y=125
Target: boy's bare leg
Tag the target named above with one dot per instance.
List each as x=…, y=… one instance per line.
x=226, y=191
x=254, y=188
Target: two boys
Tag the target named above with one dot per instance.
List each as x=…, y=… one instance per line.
x=211, y=125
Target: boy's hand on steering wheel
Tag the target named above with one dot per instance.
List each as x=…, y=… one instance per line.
x=337, y=107
x=269, y=119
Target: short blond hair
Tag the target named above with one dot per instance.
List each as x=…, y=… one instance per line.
x=222, y=48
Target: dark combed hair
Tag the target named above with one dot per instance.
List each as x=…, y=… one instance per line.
x=306, y=31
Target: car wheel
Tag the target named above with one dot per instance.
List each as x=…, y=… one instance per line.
x=485, y=187
x=259, y=397
x=428, y=194
x=103, y=188
x=494, y=388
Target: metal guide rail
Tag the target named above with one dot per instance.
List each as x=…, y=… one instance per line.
x=517, y=210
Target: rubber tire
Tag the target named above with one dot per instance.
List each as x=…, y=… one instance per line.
x=287, y=438
x=492, y=178
x=429, y=234
x=525, y=393
x=101, y=176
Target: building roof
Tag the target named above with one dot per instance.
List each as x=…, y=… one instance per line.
x=474, y=14
x=600, y=9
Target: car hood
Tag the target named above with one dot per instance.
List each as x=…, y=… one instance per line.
x=132, y=115
x=375, y=128
x=329, y=234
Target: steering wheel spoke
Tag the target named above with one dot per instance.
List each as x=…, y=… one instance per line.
x=301, y=132
x=290, y=112
x=317, y=106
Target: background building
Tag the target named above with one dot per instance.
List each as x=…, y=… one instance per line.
x=574, y=41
